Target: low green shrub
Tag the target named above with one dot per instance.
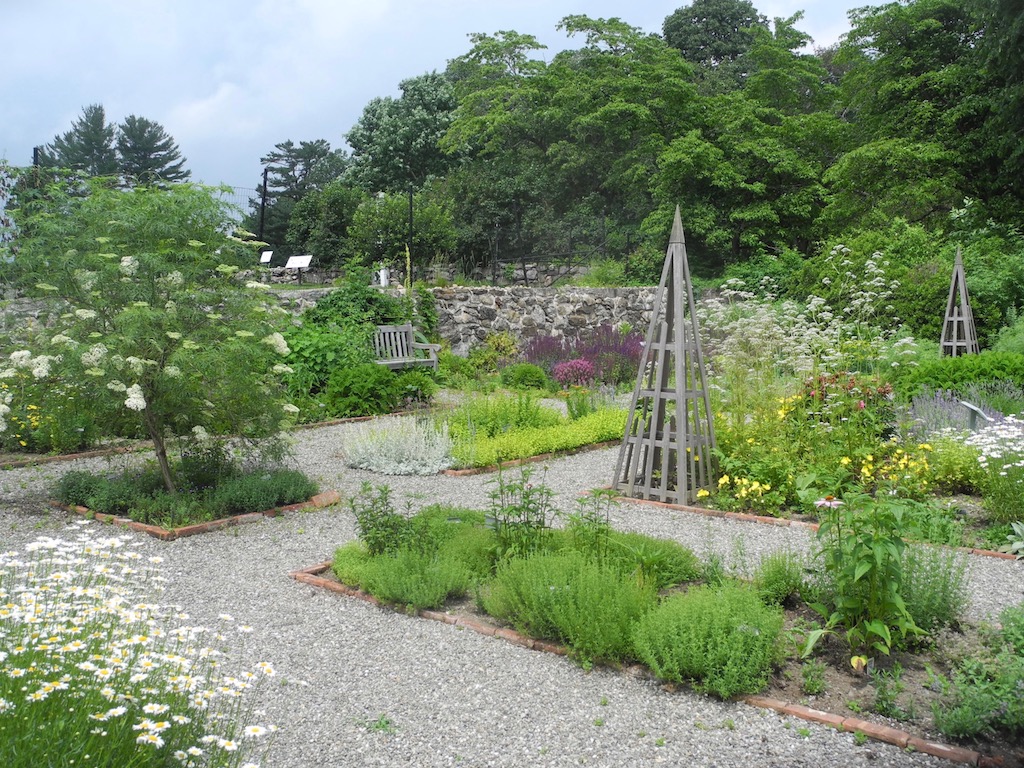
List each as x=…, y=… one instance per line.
x=260, y=490
x=454, y=370
x=315, y=352
x=378, y=524
x=953, y=466
x=140, y=494
x=988, y=690
x=416, y=386
x=205, y=466
x=362, y=390
x=596, y=427
x=954, y=373
x=653, y=562
x=723, y=639
x=348, y=563
x=563, y=596
x=779, y=577
x=524, y=376
x=934, y=585
x=415, y=578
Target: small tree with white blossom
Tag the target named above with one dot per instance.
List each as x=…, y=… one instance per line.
x=145, y=311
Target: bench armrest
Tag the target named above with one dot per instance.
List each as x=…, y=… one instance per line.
x=434, y=347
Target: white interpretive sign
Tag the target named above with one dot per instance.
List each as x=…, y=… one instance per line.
x=266, y=256
x=299, y=262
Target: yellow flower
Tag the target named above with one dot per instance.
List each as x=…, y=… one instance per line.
x=723, y=480
x=845, y=461
x=703, y=493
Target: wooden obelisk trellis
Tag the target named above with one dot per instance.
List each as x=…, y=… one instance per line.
x=666, y=452
x=959, y=336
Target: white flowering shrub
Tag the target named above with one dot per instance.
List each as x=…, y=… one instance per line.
x=147, y=319
x=93, y=672
x=399, y=446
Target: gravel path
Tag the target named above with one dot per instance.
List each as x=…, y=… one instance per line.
x=455, y=697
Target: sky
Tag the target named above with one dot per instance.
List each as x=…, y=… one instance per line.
x=230, y=79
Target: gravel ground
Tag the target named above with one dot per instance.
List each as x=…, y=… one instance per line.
x=454, y=697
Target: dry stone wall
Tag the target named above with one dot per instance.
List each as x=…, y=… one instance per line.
x=467, y=315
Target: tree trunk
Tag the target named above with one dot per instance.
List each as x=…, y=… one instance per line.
x=157, y=436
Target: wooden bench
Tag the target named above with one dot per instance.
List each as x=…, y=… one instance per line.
x=395, y=346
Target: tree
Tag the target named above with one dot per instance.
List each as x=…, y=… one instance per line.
x=715, y=36
x=148, y=154
x=320, y=221
x=379, y=230
x=396, y=142
x=87, y=147
x=146, y=315
x=294, y=171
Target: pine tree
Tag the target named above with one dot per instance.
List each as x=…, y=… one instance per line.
x=87, y=147
x=148, y=154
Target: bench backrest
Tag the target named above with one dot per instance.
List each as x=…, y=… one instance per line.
x=393, y=342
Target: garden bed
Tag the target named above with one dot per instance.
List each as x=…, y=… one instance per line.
x=845, y=701
x=777, y=521
x=321, y=500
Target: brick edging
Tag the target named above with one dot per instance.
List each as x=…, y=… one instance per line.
x=325, y=499
x=528, y=460
x=777, y=521
x=876, y=731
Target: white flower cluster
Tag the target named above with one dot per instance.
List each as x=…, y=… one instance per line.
x=277, y=343
x=1001, y=443
x=5, y=408
x=94, y=356
x=135, y=401
x=22, y=359
x=129, y=266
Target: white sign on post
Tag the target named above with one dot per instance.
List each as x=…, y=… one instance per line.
x=266, y=256
x=299, y=262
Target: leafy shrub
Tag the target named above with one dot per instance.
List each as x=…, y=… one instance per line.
x=402, y=446
x=522, y=512
x=77, y=487
x=454, y=370
x=316, y=352
x=934, y=585
x=356, y=302
x=496, y=351
x=416, y=386
x=524, y=376
x=724, y=639
x=779, y=577
x=954, y=373
x=348, y=562
x=654, y=562
x=577, y=372
x=590, y=607
x=205, y=466
x=379, y=526
x=362, y=390
x=989, y=688
x=596, y=427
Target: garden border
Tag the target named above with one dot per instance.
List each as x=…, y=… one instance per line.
x=528, y=459
x=778, y=521
x=883, y=733
x=319, y=501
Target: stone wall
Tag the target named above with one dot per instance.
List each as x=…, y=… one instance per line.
x=467, y=315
